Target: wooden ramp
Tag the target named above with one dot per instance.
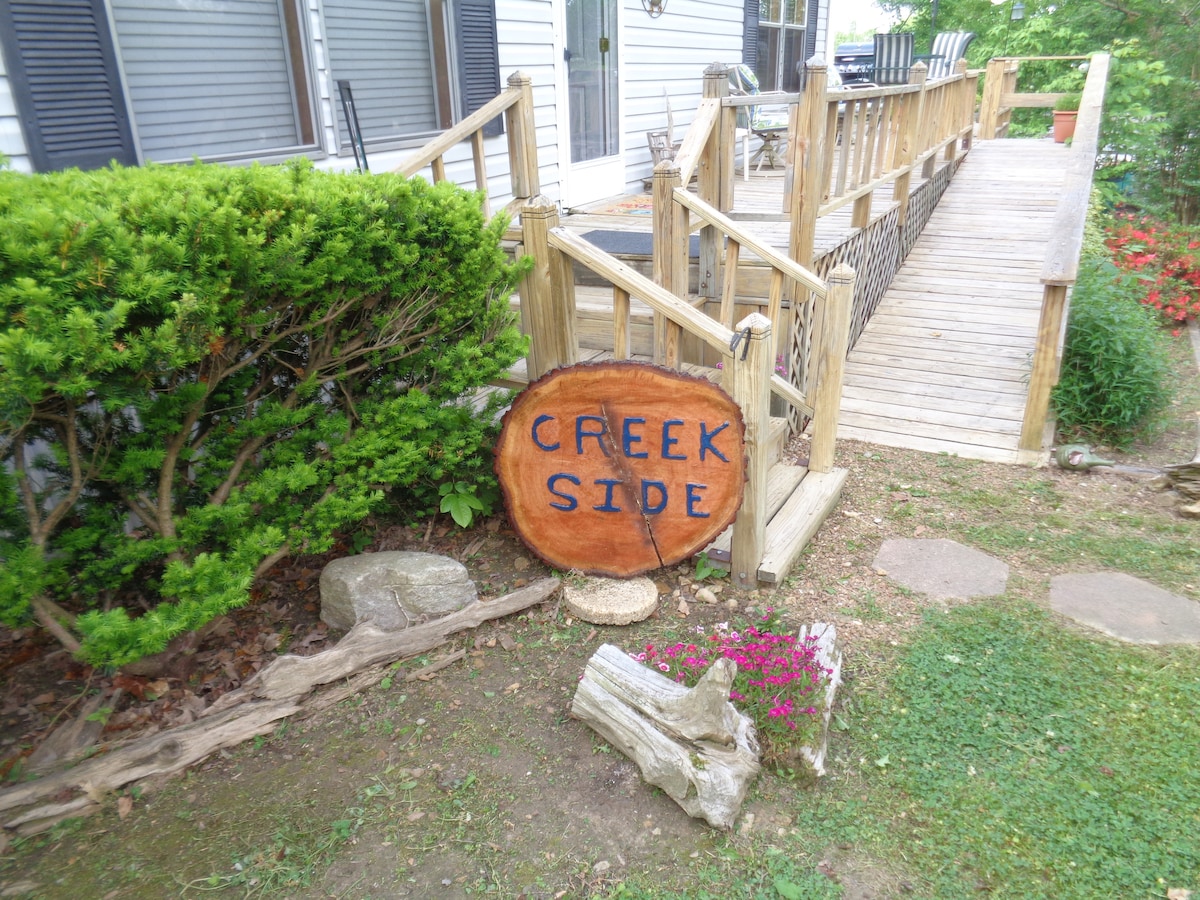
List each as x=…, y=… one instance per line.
x=943, y=365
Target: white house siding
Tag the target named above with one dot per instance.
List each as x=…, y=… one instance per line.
x=525, y=35
x=671, y=53
x=12, y=142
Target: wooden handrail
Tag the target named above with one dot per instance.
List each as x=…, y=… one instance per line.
x=455, y=135
x=747, y=240
x=1061, y=266
x=690, y=150
x=1066, y=236
x=637, y=285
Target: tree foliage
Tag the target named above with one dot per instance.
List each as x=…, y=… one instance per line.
x=1150, y=133
x=204, y=368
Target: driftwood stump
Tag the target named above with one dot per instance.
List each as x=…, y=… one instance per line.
x=691, y=742
x=291, y=685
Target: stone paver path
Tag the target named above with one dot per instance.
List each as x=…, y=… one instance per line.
x=1113, y=603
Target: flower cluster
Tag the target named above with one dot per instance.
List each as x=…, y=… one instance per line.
x=778, y=677
x=1166, y=258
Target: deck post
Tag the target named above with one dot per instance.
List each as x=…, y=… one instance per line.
x=547, y=293
x=1044, y=370
x=751, y=365
x=522, y=140
x=716, y=170
x=962, y=111
x=911, y=116
x=808, y=156
x=993, y=89
x=670, y=257
x=831, y=343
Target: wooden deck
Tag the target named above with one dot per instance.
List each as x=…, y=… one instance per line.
x=943, y=366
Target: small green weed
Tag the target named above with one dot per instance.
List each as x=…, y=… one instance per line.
x=706, y=569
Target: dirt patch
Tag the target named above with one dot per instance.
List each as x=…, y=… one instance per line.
x=477, y=780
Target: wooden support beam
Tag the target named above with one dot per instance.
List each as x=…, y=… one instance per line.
x=831, y=344
x=751, y=363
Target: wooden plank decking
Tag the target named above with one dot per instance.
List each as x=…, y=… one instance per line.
x=943, y=365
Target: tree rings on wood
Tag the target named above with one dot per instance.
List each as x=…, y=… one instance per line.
x=619, y=468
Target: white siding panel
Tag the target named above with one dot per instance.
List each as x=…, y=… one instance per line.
x=12, y=141
x=671, y=53
x=525, y=34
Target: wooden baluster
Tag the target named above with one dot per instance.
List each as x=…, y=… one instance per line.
x=439, y=170
x=621, y=341
x=479, y=158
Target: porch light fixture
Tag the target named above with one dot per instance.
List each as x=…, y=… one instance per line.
x=654, y=8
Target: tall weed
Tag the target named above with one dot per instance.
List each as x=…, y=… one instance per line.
x=1115, y=371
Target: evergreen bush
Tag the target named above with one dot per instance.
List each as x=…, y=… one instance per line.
x=205, y=368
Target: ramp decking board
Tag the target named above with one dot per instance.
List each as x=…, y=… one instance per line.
x=943, y=365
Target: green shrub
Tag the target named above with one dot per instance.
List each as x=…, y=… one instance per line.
x=204, y=368
x=1114, y=368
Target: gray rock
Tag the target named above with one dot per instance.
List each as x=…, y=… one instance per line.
x=393, y=589
x=942, y=569
x=1126, y=608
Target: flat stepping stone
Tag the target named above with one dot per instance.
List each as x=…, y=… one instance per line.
x=1126, y=608
x=611, y=601
x=942, y=569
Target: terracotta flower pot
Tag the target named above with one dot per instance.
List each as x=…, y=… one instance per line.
x=1064, y=125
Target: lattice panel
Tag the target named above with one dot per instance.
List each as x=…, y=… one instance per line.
x=921, y=204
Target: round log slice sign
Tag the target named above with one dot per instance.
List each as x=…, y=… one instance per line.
x=619, y=468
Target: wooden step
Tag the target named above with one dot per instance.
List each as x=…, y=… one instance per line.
x=798, y=501
x=790, y=530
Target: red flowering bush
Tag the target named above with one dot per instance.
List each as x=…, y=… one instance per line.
x=1167, y=260
x=779, y=682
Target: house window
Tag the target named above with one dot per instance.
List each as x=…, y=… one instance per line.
x=215, y=80
x=416, y=66
x=781, y=43
x=157, y=80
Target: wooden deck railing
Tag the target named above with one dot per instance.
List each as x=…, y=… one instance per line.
x=1000, y=95
x=1061, y=267
x=745, y=350
x=515, y=103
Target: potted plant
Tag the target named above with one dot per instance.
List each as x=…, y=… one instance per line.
x=1066, y=108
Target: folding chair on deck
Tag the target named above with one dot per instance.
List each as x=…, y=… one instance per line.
x=893, y=58
x=768, y=125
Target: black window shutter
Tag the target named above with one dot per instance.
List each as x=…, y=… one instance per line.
x=62, y=67
x=810, y=30
x=750, y=33
x=478, y=58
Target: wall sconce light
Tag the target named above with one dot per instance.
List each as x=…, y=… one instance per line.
x=654, y=8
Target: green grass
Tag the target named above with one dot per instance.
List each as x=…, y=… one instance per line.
x=1013, y=756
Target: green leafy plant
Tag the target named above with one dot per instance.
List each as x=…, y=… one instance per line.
x=1067, y=103
x=458, y=499
x=1114, y=369
x=204, y=369
x=706, y=569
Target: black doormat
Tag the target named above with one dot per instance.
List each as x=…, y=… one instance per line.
x=631, y=243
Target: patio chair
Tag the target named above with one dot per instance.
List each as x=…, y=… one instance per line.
x=948, y=48
x=768, y=125
x=893, y=58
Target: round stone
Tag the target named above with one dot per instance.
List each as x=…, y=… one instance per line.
x=611, y=601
